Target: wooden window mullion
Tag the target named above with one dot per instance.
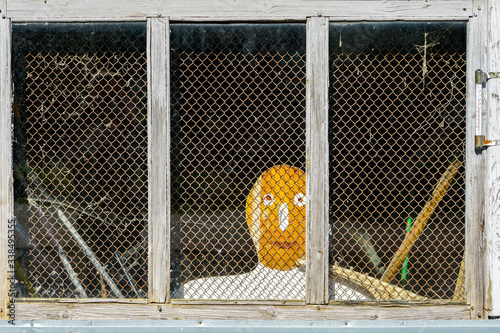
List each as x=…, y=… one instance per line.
x=317, y=160
x=158, y=160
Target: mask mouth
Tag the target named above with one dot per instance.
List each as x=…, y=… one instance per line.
x=284, y=245
x=283, y=216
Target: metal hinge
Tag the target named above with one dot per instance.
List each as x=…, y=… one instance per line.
x=481, y=79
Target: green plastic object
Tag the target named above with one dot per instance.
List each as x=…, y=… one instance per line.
x=404, y=269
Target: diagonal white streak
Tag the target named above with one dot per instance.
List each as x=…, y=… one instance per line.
x=283, y=216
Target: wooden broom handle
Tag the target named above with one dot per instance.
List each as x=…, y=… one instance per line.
x=421, y=221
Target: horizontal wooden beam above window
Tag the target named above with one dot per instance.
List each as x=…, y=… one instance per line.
x=239, y=10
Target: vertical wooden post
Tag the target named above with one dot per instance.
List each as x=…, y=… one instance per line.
x=317, y=74
x=158, y=160
x=474, y=168
x=6, y=193
x=492, y=156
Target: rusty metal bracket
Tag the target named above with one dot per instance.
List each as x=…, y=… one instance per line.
x=481, y=79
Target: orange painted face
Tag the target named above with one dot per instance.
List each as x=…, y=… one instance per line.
x=276, y=216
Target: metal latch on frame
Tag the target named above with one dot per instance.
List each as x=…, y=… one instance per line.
x=481, y=79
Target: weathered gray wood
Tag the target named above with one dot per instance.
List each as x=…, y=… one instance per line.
x=492, y=157
x=101, y=311
x=474, y=185
x=158, y=117
x=3, y=8
x=317, y=161
x=158, y=160
x=6, y=193
x=243, y=10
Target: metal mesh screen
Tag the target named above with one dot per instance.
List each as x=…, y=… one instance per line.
x=80, y=159
x=238, y=110
x=397, y=130
x=396, y=136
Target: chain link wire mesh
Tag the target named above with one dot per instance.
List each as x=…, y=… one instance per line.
x=80, y=159
x=396, y=124
x=238, y=109
x=396, y=120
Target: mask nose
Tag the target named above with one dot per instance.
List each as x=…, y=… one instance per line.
x=283, y=216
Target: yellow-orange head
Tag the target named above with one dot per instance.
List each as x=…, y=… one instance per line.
x=276, y=216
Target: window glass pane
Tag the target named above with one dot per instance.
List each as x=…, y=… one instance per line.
x=80, y=159
x=238, y=113
x=396, y=138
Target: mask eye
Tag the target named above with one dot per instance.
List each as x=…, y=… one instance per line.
x=300, y=199
x=268, y=199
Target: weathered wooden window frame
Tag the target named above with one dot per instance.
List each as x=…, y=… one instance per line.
x=317, y=15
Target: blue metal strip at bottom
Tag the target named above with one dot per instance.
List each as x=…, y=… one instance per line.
x=220, y=326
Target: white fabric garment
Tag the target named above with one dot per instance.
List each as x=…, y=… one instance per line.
x=263, y=283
